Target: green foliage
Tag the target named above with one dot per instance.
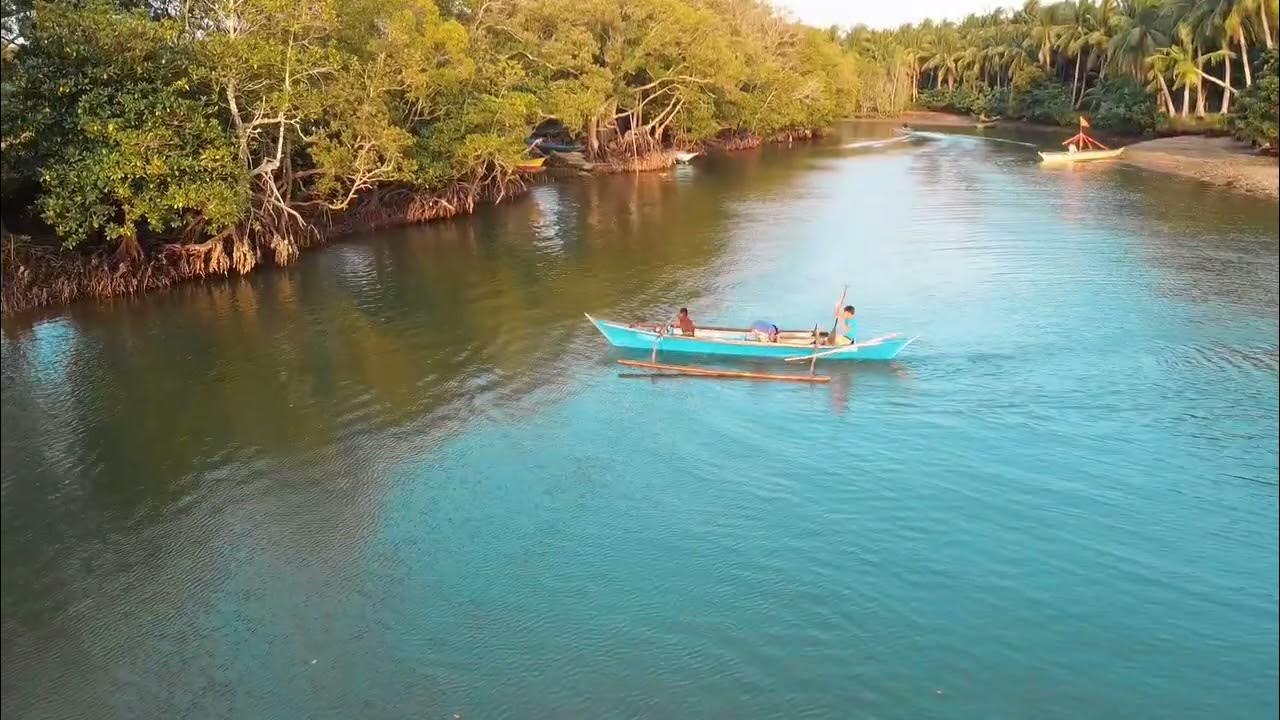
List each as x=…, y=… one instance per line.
x=1255, y=117
x=990, y=102
x=1036, y=97
x=1122, y=105
x=980, y=100
x=1210, y=124
x=104, y=115
x=142, y=157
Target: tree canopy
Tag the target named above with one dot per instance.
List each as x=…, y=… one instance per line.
x=248, y=121
x=1048, y=61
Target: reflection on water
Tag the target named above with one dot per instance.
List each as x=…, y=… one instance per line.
x=410, y=459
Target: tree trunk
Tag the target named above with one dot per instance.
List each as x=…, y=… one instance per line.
x=1244, y=55
x=128, y=250
x=1084, y=82
x=1200, y=90
x=1075, y=80
x=1226, y=80
x=1266, y=25
x=593, y=139
x=1186, y=98
x=1166, y=98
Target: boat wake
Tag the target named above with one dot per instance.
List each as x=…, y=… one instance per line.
x=877, y=143
x=982, y=138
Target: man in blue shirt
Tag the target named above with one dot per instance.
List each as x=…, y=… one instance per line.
x=846, y=327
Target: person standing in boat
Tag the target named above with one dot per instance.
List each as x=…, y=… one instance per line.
x=846, y=326
x=685, y=323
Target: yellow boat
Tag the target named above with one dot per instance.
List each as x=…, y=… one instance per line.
x=530, y=165
x=1079, y=156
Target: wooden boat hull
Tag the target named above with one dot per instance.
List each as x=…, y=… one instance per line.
x=1079, y=156
x=545, y=146
x=732, y=342
x=530, y=165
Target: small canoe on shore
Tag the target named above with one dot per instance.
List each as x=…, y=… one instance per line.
x=530, y=165
x=543, y=145
x=985, y=125
x=1079, y=156
x=735, y=342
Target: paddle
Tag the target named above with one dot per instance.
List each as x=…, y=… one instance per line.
x=814, y=362
x=836, y=322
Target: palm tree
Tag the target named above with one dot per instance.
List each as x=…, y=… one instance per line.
x=1071, y=38
x=1102, y=19
x=1042, y=30
x=1179, y=60
x=1262, y=8
x=944, y=55
x=1139, y=35
x=909, y=39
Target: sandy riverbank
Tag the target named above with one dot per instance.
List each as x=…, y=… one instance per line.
x=1224, y=162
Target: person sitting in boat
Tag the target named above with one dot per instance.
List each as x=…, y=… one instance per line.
x=763, y=331
x=685, y=323
x=846, y=326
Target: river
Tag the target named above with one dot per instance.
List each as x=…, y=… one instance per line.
x=402, y=478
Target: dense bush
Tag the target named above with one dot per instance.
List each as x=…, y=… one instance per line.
x=935, y=99
x=981, y=100
x=1120, y=104
x=991, y=102
x=1036, y=97
x=1255, y=118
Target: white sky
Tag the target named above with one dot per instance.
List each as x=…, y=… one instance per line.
x=883, y=13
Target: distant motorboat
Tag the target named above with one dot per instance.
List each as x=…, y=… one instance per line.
x=684, y=156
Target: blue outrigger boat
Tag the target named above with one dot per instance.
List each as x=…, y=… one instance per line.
x=791, y=344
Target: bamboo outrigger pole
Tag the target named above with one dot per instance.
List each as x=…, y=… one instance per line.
x=690, y=371
x=1084, y=140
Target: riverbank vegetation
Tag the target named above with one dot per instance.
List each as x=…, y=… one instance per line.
x=1132, y=66
x=145, y=142
x=163, y=140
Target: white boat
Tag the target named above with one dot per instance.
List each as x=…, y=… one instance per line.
x=1079, y=156
x=684, y=156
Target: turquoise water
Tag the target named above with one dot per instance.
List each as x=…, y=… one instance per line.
x=403, y=478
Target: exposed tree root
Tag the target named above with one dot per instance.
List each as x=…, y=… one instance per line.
x=33, y=274
x=653, y=160
x=736, y=141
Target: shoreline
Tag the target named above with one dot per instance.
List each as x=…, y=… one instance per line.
x=1222, y=162
x=37, y=274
